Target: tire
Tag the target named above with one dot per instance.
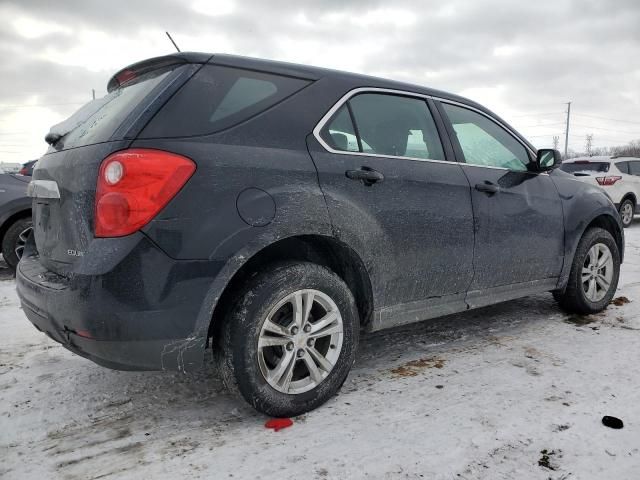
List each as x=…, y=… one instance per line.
x=245, y=366
x=626, y=207
x=575, y=299
x=12, y=240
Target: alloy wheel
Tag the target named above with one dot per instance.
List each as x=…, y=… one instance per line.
x=22, y=241
x=597, y=272
x=300, y=341
x=626, y=212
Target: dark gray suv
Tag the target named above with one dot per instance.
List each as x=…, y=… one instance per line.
x=272, y=211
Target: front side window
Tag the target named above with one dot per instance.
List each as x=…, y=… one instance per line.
x=388, y=125
x=484, y=142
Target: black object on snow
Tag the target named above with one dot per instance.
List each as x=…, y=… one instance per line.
x=612, y=422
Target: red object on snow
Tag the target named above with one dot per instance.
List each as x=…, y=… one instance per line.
x=278, y=423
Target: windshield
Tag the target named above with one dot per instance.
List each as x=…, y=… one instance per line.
x=599, y=167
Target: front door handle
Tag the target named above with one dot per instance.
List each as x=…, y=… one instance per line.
x=488, y=187
x=367, y=175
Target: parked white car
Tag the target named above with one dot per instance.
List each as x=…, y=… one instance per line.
x=618, y=176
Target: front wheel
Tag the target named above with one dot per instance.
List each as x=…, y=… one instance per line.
x=626, y=210
x=291, y=339
x=594, y=274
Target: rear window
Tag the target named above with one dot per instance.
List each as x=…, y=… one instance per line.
x=220, y=97
x=99, y=119
x=585, y=167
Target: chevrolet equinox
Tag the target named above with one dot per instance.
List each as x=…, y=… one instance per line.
x=271, y=212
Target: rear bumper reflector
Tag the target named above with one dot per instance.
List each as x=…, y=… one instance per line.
x=43, y=189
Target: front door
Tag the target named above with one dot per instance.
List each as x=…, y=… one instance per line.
x=393, y=197
x=518, y=213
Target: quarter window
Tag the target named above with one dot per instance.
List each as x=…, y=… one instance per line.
x=217, y=97
x=388, y=125
x=484, y=142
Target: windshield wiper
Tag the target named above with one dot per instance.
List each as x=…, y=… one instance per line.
x=52, y=138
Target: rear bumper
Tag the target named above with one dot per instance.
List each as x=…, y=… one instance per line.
x=140, y=315
x=117, y=355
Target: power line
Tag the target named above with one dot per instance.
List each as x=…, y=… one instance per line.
x=605, y=118
x=29, y=105
x=607, y=129
x=537, y=114
x=543, y=125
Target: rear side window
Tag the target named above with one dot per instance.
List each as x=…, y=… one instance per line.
x=340, y=134
x=585, y=166
x=623, y=167
x=634, y=168
x=388, y=125
x=220, y=97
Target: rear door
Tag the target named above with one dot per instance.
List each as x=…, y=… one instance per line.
x=398, y=199
x=518, y=214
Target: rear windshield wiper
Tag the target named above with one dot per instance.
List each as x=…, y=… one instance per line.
x=52, y=138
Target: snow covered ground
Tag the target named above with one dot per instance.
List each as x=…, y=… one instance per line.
x=512, y=391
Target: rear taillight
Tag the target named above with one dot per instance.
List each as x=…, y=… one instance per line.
x=134, y=185
x=23, y=171
x=606, y=181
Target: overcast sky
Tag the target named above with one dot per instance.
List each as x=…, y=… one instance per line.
x=522, y=59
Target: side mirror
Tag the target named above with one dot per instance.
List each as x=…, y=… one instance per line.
x=547, y=159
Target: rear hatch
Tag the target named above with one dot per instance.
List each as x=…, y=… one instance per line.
x=65, y=177
x=587, y=171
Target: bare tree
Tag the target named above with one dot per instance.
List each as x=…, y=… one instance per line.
x=632, y=149
x=556, y=142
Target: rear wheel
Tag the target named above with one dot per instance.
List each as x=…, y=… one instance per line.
x=14, y=240
x=627, y=210
x=291, y=339
x=594, y=274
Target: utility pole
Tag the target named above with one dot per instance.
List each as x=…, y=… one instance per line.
x=566, y=132
x=93, y=93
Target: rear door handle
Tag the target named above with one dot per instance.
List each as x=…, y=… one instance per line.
x=367, y=175
x=487, y=187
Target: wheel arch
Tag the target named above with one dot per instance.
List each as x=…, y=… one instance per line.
x=609, y=223
x=315, y=248
x=11, y=219
x=630, y=196
x=601, y=219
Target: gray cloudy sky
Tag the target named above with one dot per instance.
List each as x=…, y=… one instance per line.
x=522, y=59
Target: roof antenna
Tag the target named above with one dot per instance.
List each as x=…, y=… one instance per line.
x=174, y=43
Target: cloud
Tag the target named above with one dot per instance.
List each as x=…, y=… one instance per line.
x=518, y=58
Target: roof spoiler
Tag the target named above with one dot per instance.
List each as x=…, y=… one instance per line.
x=137, y=69
x=133, y=71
